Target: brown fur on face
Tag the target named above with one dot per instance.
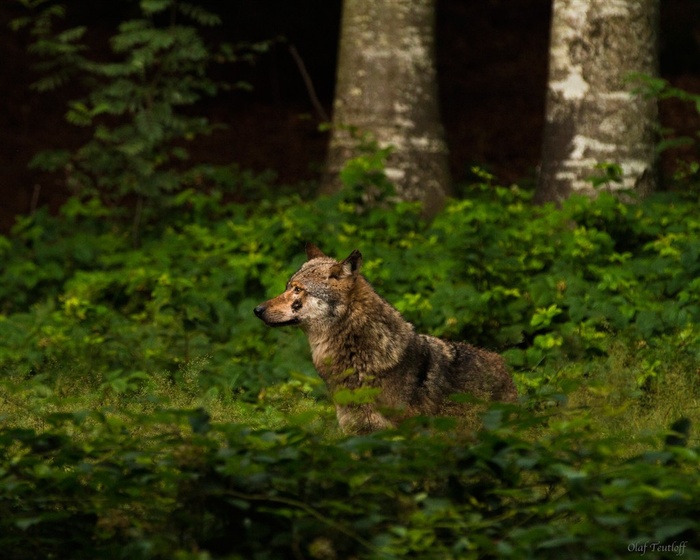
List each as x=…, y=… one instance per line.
x=315, y=295
x=359, y=340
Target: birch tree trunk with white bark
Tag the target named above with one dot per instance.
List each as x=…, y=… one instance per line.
x=386, y=85
x=591, y=116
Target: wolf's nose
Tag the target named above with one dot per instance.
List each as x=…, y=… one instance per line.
x=259, y=310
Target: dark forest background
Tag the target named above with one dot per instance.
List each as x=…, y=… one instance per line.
x=492, y=65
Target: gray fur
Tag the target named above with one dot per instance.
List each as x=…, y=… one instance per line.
x=359, y=340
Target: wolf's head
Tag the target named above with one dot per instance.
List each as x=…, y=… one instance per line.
x=317, y=294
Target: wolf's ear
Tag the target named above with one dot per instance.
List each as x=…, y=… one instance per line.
x=348, y=267
x=313, y=252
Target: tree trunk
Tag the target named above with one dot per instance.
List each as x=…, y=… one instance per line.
x=591, y=115
x=386, y=85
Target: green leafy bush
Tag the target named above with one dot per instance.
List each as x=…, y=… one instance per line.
x=544, y=286
x=180, y=486
x=599, y=291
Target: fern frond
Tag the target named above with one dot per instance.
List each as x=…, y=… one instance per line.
x=151, y=7
x=198, y=14
x=53, y=80
x=71, y=35
x=50, y=160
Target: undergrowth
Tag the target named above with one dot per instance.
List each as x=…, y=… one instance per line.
x=545, y=287
x=147, y=413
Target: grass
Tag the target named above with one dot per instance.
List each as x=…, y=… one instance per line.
x=622, y=394
x=627, y=397
x=26, y=402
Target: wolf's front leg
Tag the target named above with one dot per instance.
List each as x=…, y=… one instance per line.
x=361, y=419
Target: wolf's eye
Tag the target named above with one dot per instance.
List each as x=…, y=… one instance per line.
x=297, y=290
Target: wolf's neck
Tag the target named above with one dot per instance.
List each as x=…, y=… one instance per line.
x=369, y=338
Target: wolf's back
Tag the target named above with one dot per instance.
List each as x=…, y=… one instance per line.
x=433, y=369
x=480, y=372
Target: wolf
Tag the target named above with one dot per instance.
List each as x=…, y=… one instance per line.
x=358, y=340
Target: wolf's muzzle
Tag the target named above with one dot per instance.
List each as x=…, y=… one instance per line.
x=260, y=312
